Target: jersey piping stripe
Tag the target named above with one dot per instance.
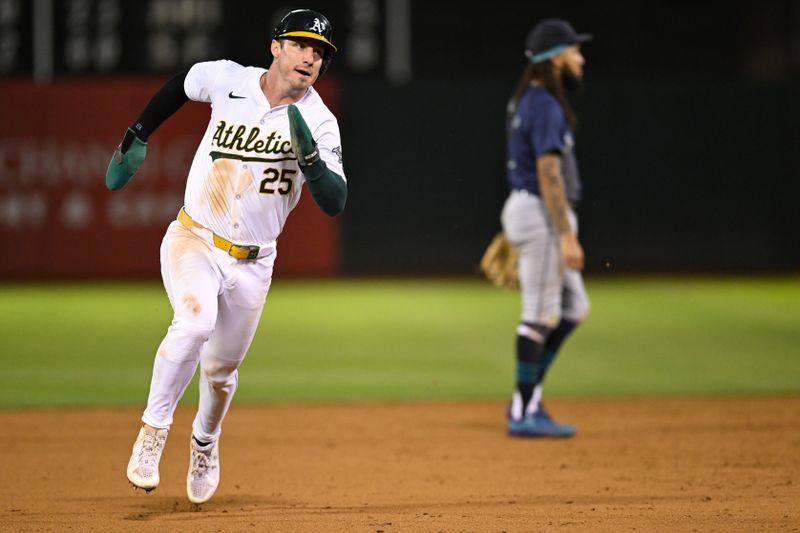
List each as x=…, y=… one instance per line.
x=223, y=155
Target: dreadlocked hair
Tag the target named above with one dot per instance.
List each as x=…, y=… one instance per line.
x=542, y=72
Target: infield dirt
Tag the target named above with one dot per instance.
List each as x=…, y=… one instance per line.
x=675, y=464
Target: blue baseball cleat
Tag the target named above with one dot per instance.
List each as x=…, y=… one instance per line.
x=539, y=424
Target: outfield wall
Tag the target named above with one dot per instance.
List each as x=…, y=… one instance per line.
x=57, y=219
x=673, y=182
x=689, y=175
x=687, y=142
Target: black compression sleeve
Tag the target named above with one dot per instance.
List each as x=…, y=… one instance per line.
x=169, y=98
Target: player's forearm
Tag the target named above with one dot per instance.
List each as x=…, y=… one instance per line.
x=551, y=188
x=130, y=153
x=164, y=103
x=327, y=188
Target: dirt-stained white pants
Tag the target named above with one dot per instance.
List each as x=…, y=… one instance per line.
x=217, y=302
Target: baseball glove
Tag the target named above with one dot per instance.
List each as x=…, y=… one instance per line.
x=499, y=262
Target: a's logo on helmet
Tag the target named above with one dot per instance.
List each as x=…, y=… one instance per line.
x=318, y=26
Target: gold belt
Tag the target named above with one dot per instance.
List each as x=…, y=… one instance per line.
x=239, y=251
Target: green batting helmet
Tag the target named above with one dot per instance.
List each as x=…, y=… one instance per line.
x=308, y=24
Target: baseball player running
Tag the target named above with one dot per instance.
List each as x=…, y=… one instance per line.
x=539, y=218
x=269, y=134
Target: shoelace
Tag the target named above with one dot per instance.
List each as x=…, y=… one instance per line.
x=150, y=446
x=200, y=462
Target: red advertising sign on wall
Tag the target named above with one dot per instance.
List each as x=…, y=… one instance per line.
x=58, y=220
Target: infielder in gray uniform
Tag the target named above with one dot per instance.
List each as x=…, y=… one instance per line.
x=269, y=134
x=539, y=217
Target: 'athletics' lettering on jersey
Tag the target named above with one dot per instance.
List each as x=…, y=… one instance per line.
x=232, y=137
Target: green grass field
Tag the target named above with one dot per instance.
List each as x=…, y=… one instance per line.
x=408, y=340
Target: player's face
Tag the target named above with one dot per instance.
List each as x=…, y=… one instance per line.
x=298, y=61
x=571, y=60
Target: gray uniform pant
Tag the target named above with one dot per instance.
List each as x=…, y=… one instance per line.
x=549, y=290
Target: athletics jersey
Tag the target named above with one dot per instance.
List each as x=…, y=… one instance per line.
x=539, y=127
x=245, y=179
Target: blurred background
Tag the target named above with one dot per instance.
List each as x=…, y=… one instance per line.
x=687, y=143
x=688, y=129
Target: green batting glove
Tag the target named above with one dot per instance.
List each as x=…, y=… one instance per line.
x=302, y=142
x=127, y=159
x=328, y=189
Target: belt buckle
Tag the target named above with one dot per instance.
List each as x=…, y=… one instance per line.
x=240, y=251
x=253, y=252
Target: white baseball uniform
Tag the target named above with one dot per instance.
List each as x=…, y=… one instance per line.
x=243, y=182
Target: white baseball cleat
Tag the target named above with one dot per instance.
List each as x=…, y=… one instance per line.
x=203, y=477
x=146, y=454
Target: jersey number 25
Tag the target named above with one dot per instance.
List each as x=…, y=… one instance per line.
x=273, y=175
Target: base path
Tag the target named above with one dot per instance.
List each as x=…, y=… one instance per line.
x=677, y=464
